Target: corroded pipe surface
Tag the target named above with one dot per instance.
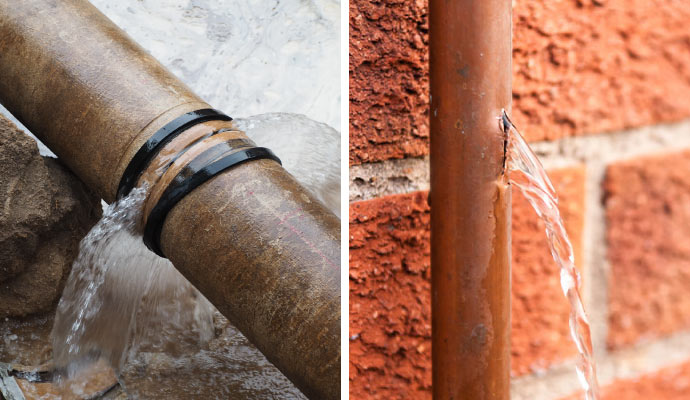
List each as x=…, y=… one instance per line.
x=254, y=242
x=470, y=58
x=79, y=82
x=265, y=289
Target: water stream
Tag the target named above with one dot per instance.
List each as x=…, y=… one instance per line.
x=121, y=296
x=527, y=174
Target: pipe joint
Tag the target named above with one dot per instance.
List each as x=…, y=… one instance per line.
x=182, y=155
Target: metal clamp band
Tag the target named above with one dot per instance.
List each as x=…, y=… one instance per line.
x=148, y=150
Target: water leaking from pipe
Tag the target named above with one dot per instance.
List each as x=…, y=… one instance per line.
x=123, y=302
x=527, y=174
x=258, y=245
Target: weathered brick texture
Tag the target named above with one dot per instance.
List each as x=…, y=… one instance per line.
x=591, y=66
x=648, y=217
x=390, y=326
x=388, y=79
x=390, y=294
x=579, y=67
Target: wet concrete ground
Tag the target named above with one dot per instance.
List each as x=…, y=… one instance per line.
x=229, y=367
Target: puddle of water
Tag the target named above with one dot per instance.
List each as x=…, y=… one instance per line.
x=229, y=367
x=527, y=174
x=26, y=341
x=90, y=383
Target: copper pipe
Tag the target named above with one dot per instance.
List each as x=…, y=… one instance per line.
x=254, y=242
x=470, y=60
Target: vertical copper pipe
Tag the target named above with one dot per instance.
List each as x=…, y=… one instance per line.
x=252, y=240
x=470, y=46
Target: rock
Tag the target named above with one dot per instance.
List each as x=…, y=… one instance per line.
x=44, y=212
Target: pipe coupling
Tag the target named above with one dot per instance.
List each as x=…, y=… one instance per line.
x=181, y=156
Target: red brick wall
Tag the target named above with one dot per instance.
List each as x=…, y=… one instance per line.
x=389, y=83
x=581, y=68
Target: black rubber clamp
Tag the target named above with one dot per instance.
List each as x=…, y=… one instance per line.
x=188, y=179
x=163, y=136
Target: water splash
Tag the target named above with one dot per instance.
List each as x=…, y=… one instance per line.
x=131, y=310
x=119, y=293
x=527, y=174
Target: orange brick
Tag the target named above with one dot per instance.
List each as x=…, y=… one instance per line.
x=591, y=66
x=389, y=83
x=390, y=324
x=648, y=215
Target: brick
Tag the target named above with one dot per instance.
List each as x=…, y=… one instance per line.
x=579, y=67
x=539, y=320
x=647, y=204
x=590, y=66
x=390, y=326
x=672, y=383
x=389, y=94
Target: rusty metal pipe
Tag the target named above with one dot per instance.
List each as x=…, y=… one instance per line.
x=470, y=68
x=253, y=241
